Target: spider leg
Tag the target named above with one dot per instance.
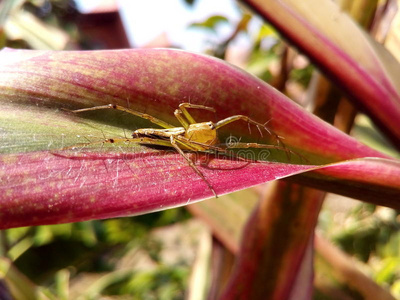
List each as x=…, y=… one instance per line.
x=204, y=147
x=191, y=164
x=156, y=142
x=249, y=121
x=129, y=111
x=141, y=140
x=263, y=146
x=184, y=117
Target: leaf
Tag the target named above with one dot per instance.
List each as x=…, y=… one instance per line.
x=373, y=180
x=227, y=216
x=23, y=25
x=46, y=188
x=43, y=82
x=211, y=23
x=361, y=66
x=18, y=285
x=274, y=243
x=42, y=182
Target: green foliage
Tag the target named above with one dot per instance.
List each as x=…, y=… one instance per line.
x=163, y=283
x=46, y=253
x=302, y=75
x=260, y=63
x=211, y=23
x=372, y=235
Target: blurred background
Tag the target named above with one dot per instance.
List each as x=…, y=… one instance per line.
x=182, y=253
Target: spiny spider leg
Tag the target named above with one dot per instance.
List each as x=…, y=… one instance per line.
x=185, y=141
x=231, y=119
x=174, y=144
x=263, y=146
x=218, y=148
x=192, y=136
x=130, y=111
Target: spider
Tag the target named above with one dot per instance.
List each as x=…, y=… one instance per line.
x=192, y=136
